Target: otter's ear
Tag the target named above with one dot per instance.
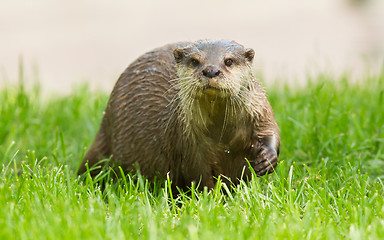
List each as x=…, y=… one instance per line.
x=179, y=54
x=249, y=54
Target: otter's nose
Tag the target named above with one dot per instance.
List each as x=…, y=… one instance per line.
x=211, y=73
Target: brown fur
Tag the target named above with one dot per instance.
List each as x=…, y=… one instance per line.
x=165, y=116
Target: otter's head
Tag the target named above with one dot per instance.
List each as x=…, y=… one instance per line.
x=214, y=68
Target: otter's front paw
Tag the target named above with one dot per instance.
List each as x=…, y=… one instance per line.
x=265, y=162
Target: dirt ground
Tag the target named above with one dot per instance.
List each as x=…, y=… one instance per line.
x=62, y=43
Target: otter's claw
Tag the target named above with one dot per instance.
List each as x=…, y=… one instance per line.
x=265, y=161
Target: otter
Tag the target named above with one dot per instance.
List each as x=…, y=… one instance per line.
x=192, y=111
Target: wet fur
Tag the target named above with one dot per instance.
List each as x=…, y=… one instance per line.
x=159, y=121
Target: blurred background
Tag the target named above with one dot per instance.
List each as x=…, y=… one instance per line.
x=63, y=43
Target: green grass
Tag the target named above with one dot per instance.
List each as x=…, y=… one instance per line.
x=328, y=184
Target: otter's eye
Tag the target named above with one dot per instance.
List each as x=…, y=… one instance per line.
x=228, y=62
x=195, y=62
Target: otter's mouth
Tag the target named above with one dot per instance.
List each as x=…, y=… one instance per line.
x=213, y=91
x=210, y=87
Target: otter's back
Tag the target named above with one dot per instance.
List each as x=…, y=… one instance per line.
x=138, y=111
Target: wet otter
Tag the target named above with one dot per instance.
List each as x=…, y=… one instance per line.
x=192, y=110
